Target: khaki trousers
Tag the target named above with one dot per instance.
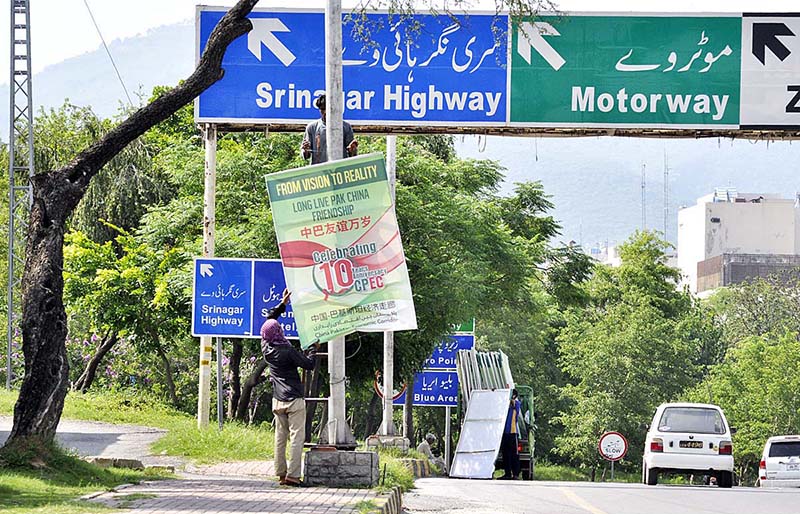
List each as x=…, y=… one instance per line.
x=290, y=423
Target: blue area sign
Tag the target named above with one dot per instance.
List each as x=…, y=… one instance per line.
x=231, y=297
x=433, y=389
x=444, y=355
x=454, y=70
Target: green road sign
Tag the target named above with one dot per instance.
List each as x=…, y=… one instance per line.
x=466, y=327
x=635, y=70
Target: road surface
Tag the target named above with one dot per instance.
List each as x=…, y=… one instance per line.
x=95, y=439
x=453, y=496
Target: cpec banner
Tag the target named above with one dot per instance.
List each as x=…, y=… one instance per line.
x=341, y=250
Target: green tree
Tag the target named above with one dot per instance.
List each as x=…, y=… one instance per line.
x=121, y=192
x=760, y=307
x=127, y=290
x=56, y=195
x=758, y=387
x=637, y=343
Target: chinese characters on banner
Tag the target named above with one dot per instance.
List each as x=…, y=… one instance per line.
x=341, y=250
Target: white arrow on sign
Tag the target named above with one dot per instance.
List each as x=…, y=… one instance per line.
x=262, y=34
x=206, y=270
x=532, y=35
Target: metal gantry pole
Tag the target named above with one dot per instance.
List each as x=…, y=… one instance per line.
x=219, y=383
x=338, y=431
x=209, y=240
x=447, y=423
x=20, y=157
x=387, y=427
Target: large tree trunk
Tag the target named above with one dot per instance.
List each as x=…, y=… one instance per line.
x=44, y=321
x=55, y=196
x=84, y=381
x=235, y=365
x=255, y=378
x=372, y=424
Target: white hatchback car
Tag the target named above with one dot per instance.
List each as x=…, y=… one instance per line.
x=688, y=438
x=780, y=462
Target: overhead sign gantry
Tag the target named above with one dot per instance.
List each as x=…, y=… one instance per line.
x=675, y=75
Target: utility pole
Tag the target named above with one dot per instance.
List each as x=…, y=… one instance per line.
x=20, y=157
x=209, y=240
x=338, y=431
x=387, y=427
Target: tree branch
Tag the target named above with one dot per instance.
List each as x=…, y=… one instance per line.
x=208, y=71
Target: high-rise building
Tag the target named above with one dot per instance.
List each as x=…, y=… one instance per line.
x=730, y=237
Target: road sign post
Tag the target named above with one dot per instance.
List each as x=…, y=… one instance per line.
x=612, y=446
x=209, y=230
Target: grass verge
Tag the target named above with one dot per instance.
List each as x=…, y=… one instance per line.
x=366, y=506
x=235, y=442
x=56, y=483
x=559, y=473
x=392, y=472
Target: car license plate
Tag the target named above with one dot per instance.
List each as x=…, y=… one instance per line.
x=793, y=467
x=691, y=444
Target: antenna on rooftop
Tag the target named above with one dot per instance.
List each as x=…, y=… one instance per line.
x=644, y=197
x=666, y=192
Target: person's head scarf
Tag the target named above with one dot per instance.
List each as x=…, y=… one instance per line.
x=272, y=333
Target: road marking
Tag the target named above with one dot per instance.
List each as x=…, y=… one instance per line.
x=580, y=502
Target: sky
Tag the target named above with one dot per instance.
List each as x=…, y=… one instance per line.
x=61, y=29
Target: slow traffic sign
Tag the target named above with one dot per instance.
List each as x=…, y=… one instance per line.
x=612, y=446
x=231, y=297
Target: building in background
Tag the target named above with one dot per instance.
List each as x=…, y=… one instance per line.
x=730, y=237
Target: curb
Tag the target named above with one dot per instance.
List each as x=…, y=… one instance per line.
x=389, y=503
x=94, y=495
x=418, y=467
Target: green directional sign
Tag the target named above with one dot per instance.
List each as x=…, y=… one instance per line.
x=637, y=70
x=466, y=327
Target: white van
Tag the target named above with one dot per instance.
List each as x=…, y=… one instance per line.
x=780, y=462
x=688, y=438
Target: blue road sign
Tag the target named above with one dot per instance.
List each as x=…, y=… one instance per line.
x=444, y=356
x=222, y=297
x=268, y=286
x=450, y=73
x=231, y=297
x=433, y=389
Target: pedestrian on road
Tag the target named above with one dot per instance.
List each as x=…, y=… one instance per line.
x=314, y=141
x=288, y=404
x=510, y=438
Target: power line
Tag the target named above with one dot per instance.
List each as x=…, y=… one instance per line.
x=108, y=51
